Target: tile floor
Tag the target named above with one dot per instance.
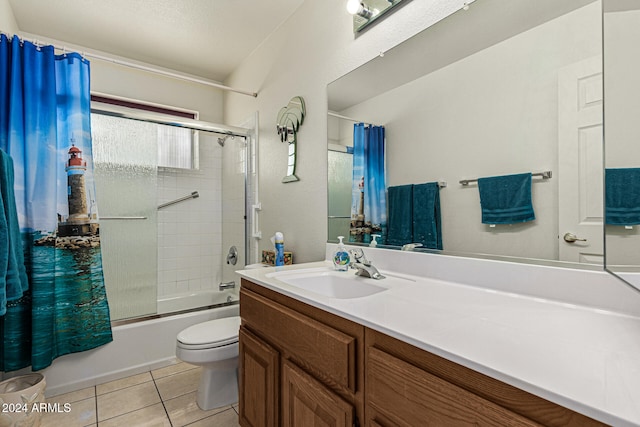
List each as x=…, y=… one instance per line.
x=163, y=397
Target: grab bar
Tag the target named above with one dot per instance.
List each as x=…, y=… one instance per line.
x=254, y=220
x=123, y=217
x=193, y=195
x=544, y=175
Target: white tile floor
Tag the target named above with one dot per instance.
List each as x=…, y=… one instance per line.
x=163, y=397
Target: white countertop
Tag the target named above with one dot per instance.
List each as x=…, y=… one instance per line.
x=586, y=359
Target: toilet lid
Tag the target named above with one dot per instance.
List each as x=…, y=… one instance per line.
x=214, y=333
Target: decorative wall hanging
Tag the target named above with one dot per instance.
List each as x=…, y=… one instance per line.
x=290, y=118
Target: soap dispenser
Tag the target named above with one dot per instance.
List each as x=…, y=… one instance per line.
x=341, y=256
x=374, y=243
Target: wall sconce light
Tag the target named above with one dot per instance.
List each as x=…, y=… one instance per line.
x=357, y=7
x=366, y=12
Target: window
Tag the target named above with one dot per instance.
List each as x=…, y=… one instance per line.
x=177, y=146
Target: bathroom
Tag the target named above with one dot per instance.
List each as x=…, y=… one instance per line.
x=323, y=50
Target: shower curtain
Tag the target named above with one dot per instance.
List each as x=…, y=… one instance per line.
x=45, y=129
x=369, y=201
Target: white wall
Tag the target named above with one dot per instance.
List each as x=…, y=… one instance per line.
x=117, y=80
x=312, y=48
x=492, y=113
x=8, y=22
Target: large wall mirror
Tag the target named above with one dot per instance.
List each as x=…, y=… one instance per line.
x=621, y=36
x=503, y=87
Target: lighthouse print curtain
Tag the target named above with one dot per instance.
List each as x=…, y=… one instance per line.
x=45, y=130
x=369, y=199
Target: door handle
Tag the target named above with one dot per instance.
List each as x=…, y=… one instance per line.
x=571, y=238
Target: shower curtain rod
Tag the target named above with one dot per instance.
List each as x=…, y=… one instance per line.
x=142, y=67
x=169, y=74
x=340, y=116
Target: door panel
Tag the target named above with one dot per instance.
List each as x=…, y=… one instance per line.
x=580, y=162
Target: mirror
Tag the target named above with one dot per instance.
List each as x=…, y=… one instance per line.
x=500, y=88
x=621, y=35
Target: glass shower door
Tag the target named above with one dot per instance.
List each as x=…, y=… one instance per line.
x=126, y=173
x=339, y=190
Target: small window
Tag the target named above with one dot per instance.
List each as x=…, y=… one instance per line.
x=177, y=146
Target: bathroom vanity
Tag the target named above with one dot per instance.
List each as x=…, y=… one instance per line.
x=426, y=352
x=299, y=363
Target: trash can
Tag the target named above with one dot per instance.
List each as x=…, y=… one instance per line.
x=20, y=399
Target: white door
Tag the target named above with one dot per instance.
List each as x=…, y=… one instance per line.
x=580, y=162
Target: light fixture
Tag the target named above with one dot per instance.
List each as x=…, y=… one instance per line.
x=357, y=7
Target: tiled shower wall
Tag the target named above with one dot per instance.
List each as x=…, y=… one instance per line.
x=190, y=232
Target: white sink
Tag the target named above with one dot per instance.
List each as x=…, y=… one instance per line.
x=336, y=284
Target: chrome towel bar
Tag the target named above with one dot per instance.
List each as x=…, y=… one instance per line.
x=193, y=195
x=544, y=175
x=122, y=217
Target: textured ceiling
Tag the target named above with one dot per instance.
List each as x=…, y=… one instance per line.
x=206, y=38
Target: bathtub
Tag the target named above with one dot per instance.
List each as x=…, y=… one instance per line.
x=136, y=348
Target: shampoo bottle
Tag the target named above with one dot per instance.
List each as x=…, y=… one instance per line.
x=279, y=246
x=341, y=257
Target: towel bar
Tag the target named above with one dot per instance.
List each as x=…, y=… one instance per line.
x=122, y=217
x=193, y=195
x=544, y=175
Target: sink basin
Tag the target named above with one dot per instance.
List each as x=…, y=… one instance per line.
x=335, y=284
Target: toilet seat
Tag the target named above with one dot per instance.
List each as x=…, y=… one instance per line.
x=211, y=334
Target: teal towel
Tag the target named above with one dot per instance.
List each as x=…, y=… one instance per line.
x=414, y=215
x=13, y=281
x=622, y=196
x=400, y=216
x=426, y=215
x=506, y=199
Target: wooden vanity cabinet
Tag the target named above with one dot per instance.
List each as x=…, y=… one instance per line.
x=302, y=366
x=299, y=365
x=407, y=386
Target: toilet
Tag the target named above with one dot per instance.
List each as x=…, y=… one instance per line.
x=213, y=345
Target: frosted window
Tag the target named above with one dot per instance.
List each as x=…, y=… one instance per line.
x=177, y=147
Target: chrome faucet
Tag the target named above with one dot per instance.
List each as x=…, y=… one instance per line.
x=227, y=285
x=363, y=265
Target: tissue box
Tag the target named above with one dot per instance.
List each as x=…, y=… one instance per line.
x=269, y=257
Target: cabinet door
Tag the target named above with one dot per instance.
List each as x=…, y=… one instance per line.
x=409, y=396
x=319, y=348
x=306, y=402
x=259, y=371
